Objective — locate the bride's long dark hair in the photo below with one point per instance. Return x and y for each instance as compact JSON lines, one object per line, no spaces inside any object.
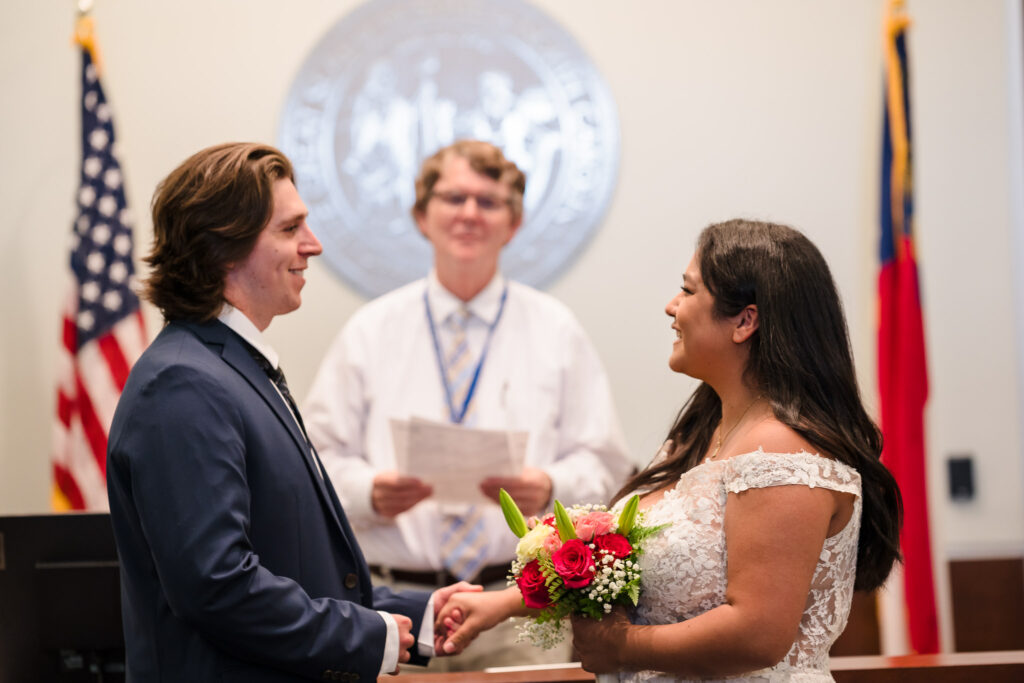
{"x":800,"y":360}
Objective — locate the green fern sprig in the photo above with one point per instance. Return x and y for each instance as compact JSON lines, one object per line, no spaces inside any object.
{"x":638,"y":534}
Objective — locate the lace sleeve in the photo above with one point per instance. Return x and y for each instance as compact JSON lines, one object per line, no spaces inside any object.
{"x":760,"y":470}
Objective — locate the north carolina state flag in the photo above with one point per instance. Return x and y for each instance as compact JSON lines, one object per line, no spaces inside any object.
{"x":902,"y":370}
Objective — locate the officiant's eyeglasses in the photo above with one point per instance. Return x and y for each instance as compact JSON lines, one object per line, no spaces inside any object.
{"x":484,"y":202}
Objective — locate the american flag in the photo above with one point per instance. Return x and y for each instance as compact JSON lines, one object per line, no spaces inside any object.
{"x":103,"y":329}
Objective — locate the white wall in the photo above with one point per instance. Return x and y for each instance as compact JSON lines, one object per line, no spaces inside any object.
{"x":738,"y":107}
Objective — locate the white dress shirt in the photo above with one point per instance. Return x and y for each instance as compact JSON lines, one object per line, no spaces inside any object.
{"x":541,"y":375}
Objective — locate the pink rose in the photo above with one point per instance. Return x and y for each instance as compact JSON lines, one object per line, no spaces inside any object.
{"x":531,"y":585}
{"x":594,"y":524}
{"x":574,"y":563}
{"x":552,"y":543}
{"x":616,"y":544}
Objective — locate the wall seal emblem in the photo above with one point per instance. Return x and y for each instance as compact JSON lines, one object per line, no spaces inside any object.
{"x":395,"y":80}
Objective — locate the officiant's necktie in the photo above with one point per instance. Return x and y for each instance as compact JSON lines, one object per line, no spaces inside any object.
{"x":464,"y":541}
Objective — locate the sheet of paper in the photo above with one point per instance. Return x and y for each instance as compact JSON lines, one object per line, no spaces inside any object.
{"x":455,"y":459}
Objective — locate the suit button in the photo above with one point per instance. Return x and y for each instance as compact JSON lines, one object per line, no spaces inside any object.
{"x":351,"y":581}
{"x":327,"y":675}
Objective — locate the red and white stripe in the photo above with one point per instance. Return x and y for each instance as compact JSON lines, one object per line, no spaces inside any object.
{"x":90,"y":381}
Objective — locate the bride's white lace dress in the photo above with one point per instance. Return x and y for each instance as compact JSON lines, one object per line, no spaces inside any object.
{"x":684,"y":566}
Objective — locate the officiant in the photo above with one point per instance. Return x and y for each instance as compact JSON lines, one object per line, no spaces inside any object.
{"x":469,"y":346}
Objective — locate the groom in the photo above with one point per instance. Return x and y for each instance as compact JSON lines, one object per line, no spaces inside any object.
{"x":237,"y":560}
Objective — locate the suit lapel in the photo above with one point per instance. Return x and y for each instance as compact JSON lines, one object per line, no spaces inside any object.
{"x":235,"y":353}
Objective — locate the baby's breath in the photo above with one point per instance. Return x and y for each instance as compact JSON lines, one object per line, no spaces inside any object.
{"x":543,"y":634}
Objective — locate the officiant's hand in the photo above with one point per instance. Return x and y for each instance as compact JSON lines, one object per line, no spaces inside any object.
{"x":531,"y":490}
{"x":394,"y":493}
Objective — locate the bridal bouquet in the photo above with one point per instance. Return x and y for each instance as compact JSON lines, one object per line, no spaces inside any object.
{"x":581,"y":560}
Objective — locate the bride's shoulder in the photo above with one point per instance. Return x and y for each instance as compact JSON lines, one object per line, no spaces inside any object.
{"x":773,"y":454}
{"x":772,"y":436}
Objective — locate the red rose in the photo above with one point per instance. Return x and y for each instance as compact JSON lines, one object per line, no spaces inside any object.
{"x":531,"y":585}
{"x":616,"y":544}
{"x":574,"y":563}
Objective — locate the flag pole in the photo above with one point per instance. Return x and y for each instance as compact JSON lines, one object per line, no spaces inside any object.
{"x":902,"y":362}
{"x":102,"y":329}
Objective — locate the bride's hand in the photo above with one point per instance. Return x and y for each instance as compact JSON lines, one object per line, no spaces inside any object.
{"x":599,"y":642}
{"x":466,"y":614}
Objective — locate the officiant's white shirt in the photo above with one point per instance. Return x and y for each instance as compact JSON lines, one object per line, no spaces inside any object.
{"x":541,"y":375}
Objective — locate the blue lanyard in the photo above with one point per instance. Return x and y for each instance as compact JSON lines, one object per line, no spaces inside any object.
{"x":458,"y":415}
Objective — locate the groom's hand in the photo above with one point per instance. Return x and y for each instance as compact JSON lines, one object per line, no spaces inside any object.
{"x":405,"y":639}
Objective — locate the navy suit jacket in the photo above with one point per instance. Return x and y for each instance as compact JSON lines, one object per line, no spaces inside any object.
{"x":237,"y":561}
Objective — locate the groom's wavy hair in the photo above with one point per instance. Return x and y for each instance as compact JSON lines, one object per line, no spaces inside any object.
{"x":207,"y":214}
{"x":800,"y":360}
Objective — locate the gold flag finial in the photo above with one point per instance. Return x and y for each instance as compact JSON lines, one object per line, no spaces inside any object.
{"x":85,"y":32}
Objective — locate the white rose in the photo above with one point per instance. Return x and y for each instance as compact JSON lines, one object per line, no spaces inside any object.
{"x":532,"y":543}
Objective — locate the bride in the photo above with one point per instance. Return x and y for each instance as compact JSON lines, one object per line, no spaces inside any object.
{"x":770,"y":482}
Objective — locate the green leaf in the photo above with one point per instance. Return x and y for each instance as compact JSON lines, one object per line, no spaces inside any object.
{"x":513,"y":516}
{"x":566,"y":531}
{"x":638,"y":534}
{"x":628,"y":515}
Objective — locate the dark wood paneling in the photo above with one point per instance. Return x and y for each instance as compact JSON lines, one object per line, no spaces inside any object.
{"x":988,"y":604}
{"x":861,"y":636}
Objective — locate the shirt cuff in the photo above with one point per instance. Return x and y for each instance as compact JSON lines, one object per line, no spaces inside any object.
{"x":355,"y":489}
{"x":390,"y":662}
{"x":425,"y":640}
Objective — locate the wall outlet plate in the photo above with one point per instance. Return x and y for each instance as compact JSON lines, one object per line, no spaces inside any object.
{"x":961,"y":477}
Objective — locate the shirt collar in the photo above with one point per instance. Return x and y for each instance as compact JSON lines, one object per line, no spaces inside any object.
{"x":484,"y":305}
{"x":244,"y":328}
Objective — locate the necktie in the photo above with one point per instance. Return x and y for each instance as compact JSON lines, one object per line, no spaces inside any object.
{"x":276,"y":375}
{"x":458,"y":362}
{"x":464,"y":541}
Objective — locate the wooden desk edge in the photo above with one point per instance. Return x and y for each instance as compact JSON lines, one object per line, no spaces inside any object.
{"x":928,"y":661}
{"x":843,"y":665}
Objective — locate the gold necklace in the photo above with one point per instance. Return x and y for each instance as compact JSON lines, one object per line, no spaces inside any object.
{"x":721,"y":438}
